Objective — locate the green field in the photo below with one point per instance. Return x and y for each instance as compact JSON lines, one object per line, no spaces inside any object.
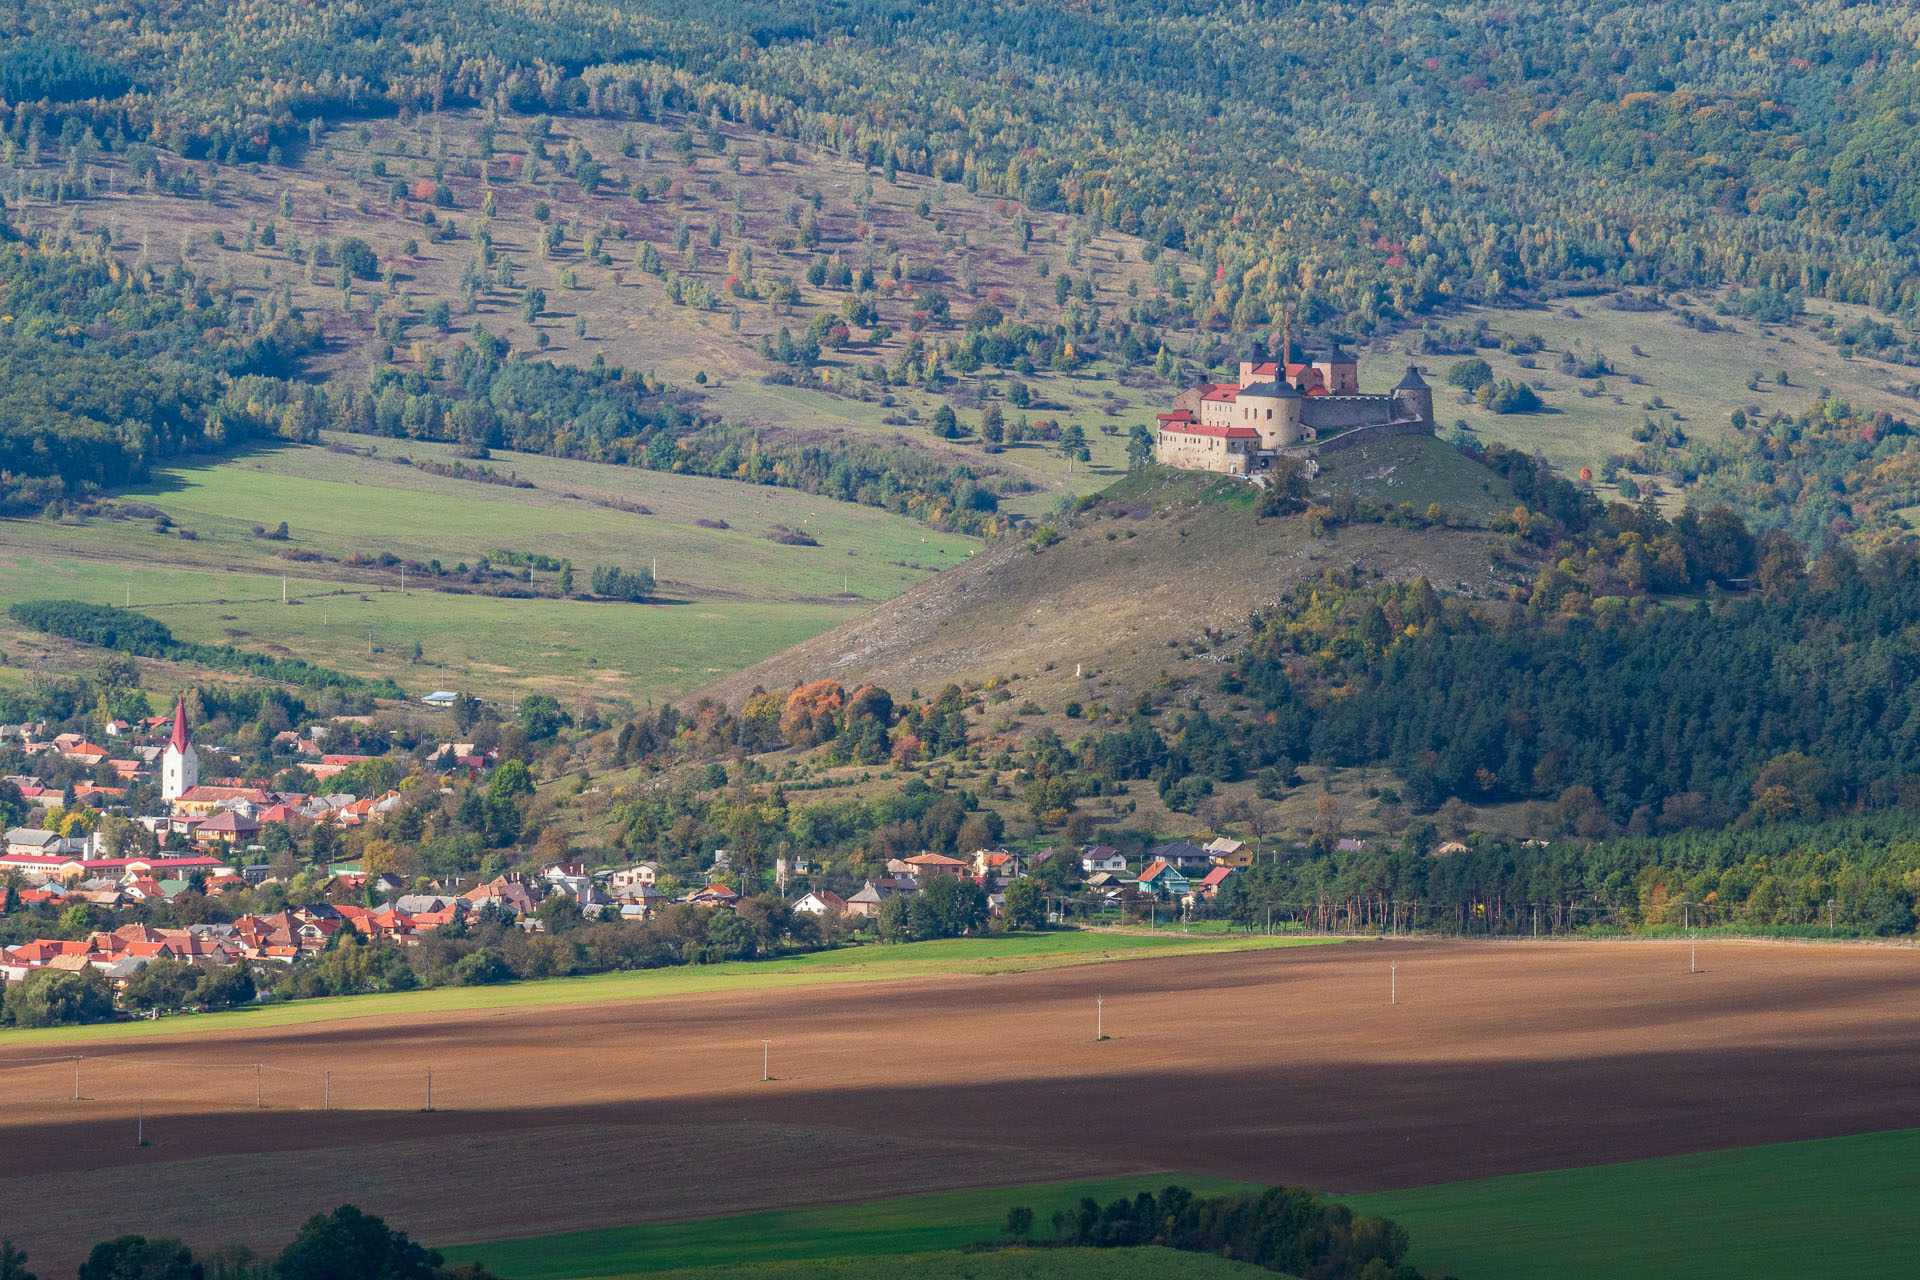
{"x":729,"y":596}
{"x":1836,"y":1207}
{"x":855,"y":1235}
{"x":998,"y":954}
{"x":1007,"y":1264}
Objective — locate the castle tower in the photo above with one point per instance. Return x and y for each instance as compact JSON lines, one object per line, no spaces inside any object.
{"x":180,"y":764}
{"x":1275,"y":412}
{"x":1413,"y":398}
{"x":1339,"y":371}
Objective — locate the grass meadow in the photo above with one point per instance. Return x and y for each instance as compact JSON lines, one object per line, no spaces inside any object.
{"x":1834,"y":1207}
{"x":730,"y":595}
{"x":872,"y":1239}
{"x":959,"y":957}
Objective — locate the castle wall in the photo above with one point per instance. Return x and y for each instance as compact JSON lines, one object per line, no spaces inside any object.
{"x":1335,"y":413}
{"x":1190,"y":452}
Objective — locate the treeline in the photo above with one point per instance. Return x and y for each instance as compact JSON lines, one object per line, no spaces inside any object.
{"x":328,"y":1245}
{"x":1285,"y":1229}
{"x":1844,"y":877}
{"x":125,"y":631}
{"x":107,"y":368}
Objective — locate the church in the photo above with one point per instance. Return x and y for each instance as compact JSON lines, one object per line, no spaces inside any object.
{"x":1300,"y":408}
{"x":180,"y":763}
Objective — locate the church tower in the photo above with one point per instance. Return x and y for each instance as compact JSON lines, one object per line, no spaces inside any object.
{"x":180,"y":766}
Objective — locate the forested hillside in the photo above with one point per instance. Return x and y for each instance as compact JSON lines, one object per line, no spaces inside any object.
{"x":1373,"y":161}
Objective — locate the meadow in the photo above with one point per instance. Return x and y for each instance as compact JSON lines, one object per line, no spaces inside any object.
{"x":998,"y":954}
{"x":730,"y":594}
{"x":1834,"y":1207}
{"x":1664,"y":371}
{"x":852,"y":1240}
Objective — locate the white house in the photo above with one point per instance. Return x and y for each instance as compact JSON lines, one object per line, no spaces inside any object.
{"x":1102,"y":857}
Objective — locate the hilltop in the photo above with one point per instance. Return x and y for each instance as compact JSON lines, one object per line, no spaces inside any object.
{"x":1155,"y":575}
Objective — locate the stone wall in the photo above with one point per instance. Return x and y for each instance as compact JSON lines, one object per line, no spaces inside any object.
{"x":1363,"y":435}
{"x":1325,"y":413}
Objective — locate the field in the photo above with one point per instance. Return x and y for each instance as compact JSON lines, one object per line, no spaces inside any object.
{"x":1286,"y":1065}
{"x":1001,"y":954}
{"x":883,"y":1228}
{"x":730,"y":596}
{"x":1749,"y":1214}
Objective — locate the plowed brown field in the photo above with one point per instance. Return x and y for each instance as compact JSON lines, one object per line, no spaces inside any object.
{"x":1276,"y":1065}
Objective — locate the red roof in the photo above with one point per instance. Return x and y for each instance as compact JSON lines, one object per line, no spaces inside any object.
{"x":179,"y":739}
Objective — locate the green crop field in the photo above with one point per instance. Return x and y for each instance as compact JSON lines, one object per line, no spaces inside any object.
{"x":855,"y":1235}
{"x":998,"y":954}
{"x":729,"y":597}
{"x":1836,"y":1207}
{"x":1003,"y":1264}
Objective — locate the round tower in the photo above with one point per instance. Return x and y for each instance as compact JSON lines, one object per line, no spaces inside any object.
{"x":1413,"y":398}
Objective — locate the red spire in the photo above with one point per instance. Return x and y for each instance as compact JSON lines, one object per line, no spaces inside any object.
{"x":179,"y":740}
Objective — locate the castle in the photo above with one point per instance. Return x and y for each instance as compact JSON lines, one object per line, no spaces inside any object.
{"x":1310,"y":406}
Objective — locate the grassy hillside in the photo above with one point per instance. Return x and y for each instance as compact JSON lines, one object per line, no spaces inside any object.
{"x":1836,"y":1207}
{"x":761,"y":212}
{"x":1663,"y":371}
{"x":730,"y":594}
{"x":873,"y":1230}
{"x":1132,"y":587}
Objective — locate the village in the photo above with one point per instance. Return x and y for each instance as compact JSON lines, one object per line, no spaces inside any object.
{"x":212,"y":839}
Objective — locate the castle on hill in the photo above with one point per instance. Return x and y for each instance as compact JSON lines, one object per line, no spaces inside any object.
{"x":1308,"y":406}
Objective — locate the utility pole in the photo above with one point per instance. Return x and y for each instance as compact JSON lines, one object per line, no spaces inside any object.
{"x":76,"y":1078}
{"x":258,"y":1105}
{"x":1393,"y":983}
{"x":1099,"y":1017}
{"x":326,"y":1094}
{"x":283,"y":588}
{"x":429,"y":1088}
{"x":766,"y":1057}
{"x":140,"y":1123}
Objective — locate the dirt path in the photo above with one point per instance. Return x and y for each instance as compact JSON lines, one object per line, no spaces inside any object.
{"x":1278,"y":1066}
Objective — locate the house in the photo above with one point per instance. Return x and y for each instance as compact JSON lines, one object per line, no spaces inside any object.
{"x":641,"y":875}
{"x":1163,"y":877}
{"x":1182,"y":856}
{"x":997,"y":864}
{"x":640,"y":902}
{"x":1102,"y":857}
{"x":1209,"y":886}
{"x":510,"y":891}
{"x":822,"y":902}
{"x":1228,"y":852}
{"x":30,"y":840}
{"x":1350,"y":846}
{"x":1450,"y":848}
{"x":932,"y":866}
{"x":868,"y":900}
{"x":227,"y":827}
{"x":441,"y":698}
{"x":713,"y":895}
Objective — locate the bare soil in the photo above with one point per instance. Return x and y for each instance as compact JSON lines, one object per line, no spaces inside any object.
{"x":1280,"y":1066}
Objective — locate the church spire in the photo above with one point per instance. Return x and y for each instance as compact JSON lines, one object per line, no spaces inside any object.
{"x":179,"y":740}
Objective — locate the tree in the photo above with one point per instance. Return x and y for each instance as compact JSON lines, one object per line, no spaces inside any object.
{"x":541,"y":717}
{"x":358,"y":257}
{"x":13,"y":1263}
{"x":533,"y":300}
{"x":52,"y":998}
{"x":993,"y":424}
{"x":892,"y":920}
{"x":1073,"y":443}
{"x":1470,"y":374}
{"x":350,"y":1245}
{"x":1026,"y":907}
{"x":1139,"y":447}
{"x":138,"y":1258}
{"x":946,"y":424}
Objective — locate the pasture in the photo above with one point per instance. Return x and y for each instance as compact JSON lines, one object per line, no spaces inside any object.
{"x":1836,"y":1206}
{"x":730,"y":594}
{"x":1315,"y":1066}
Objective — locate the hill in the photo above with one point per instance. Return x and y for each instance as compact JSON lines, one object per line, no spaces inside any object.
{"x":1157,"y":575}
